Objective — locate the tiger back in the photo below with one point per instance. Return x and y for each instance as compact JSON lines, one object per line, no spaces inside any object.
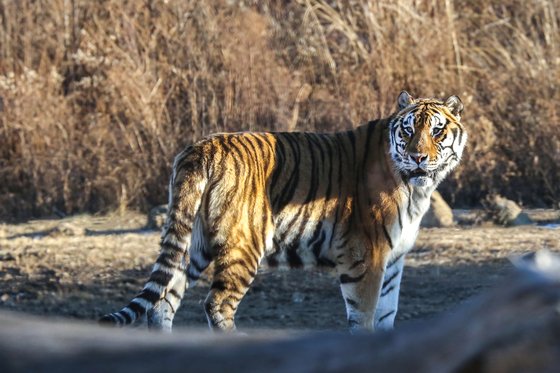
{"x":350,"y":200}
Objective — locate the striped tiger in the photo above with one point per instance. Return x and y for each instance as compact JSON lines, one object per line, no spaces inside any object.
{"x":351,"y":200}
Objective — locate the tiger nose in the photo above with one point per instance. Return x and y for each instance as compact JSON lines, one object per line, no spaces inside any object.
{"x":418,"y":158}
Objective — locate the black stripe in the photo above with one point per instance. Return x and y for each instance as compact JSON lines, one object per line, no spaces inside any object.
{"x":119,"y":318}
{"x":109,"y":319}
{"x":386,"y":233}
{"x":352,"y":302}
{"x":161,"y":278}
{"x":313,"y":181}
{"x":316,"y":242}
{"x":171,"y":247}
{"x":246,"y":282}
{"x":385,"y":316}
{"x":326,"y":262}
{"x":272,"y":260}
{"x":352,"y":139}
{"x":290,"y":188}
{"x":137,"y":309}
{"x":168,"y":259}
{"x":126,"y":316}
{"x":302,"y":212}
{"x":329,"y":162}
{"x":390,"y":289}
{"x":233,"y":152}
{"x":175,"y":294}
{"x":184,"y":154}
{"x":352,"y":322}
{"x":357,"y":263}
{"x":236,"y":297}
{"x":346,"y":279}
{"x":196,"y":265}
{"x":325,"y":161}
{"x":394,"y":261}
{"x":318,"y":245}
{"x":387,"y":281}
{"x":218,"y":285}
{"x":243,"y":263}
{"x":343,"y":242}
{"x":265,"y":145}
{"x":230,"y":306}
{"x":149,"y":295}
{"x":294,"y":260}
{"x":280,"y":154}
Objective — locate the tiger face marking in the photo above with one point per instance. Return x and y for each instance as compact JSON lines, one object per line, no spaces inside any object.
{"x":427,"y":139}
{"x":350,"y":200}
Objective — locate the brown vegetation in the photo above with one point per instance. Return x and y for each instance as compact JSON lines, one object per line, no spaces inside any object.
{"x":97,"y":97}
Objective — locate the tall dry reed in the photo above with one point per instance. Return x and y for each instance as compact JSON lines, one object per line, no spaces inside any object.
{"x":97,"y":97}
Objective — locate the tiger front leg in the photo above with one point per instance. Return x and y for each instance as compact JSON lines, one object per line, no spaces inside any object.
{"x":360,"y":283}
{"x":387,"y":305}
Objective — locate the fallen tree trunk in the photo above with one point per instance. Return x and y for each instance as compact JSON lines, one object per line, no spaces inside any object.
{"x":514,"y":328}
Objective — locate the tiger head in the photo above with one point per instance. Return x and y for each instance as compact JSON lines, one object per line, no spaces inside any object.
{"x":426,"y":138}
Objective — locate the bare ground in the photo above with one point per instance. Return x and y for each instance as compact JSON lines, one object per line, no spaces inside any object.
{"x":84,"y":266}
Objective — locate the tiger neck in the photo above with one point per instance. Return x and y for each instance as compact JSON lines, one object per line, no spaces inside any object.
{"x":390,"y":198}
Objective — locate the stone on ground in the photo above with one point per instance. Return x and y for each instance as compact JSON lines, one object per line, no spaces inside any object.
{"x":439,"y":215}
{"x":156,"y":217}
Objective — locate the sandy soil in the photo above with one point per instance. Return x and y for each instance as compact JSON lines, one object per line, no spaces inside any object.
{"x":84,"y":266}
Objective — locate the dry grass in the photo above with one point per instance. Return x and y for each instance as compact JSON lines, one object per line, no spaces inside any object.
{"x":97,"y":97}
{"x":99,"y":264}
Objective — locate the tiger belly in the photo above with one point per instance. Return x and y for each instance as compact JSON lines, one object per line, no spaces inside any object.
{"x":301,"y":245}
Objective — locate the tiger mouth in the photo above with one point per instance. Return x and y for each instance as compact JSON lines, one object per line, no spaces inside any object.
{"x":418,"y":173}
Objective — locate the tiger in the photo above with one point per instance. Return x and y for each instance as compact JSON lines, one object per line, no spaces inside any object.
{"x":351,"y":200}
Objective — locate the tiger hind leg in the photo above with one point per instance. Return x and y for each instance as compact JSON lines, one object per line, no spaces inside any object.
{"x":234,"y":272}
{"x":161,"y":316}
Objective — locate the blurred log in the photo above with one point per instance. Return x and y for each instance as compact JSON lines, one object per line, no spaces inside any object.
{"x":514,"y":328}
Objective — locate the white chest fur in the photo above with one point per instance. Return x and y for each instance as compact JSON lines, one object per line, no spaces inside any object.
{"x":415,"y":203}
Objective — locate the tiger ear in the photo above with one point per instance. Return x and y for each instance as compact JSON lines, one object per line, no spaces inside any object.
{"x":455,"y":105}
{"x":404,"y":100}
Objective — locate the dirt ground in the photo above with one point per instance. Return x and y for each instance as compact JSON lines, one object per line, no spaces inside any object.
{"x":84,"y":266}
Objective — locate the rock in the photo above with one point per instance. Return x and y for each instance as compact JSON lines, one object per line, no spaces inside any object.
{"x":506,"y":212}
{"x":439,"y":215}
{"x":157,"y":217}
{"x":298,"y":297}
{"x":66,"y":229}
{"x":6,"y":256}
